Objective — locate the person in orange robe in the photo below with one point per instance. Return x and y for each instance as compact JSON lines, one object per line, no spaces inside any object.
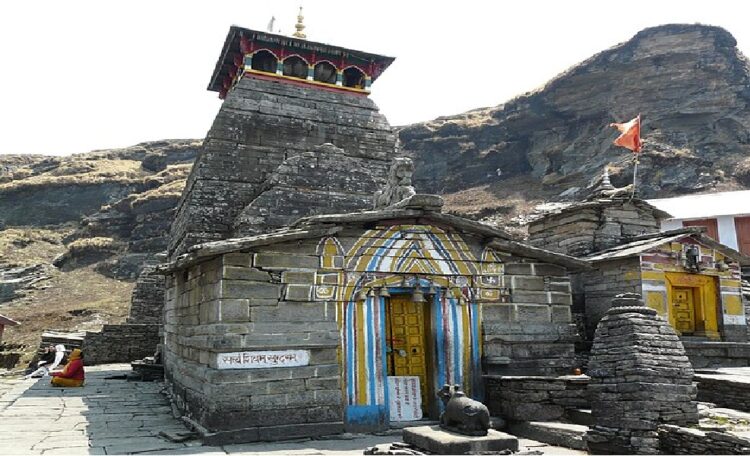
{"x":72,"y":374}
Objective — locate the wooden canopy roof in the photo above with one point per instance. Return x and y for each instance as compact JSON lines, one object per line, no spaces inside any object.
{"x":232,"y":49}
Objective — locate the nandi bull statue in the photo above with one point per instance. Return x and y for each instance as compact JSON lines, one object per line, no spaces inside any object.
{"x":463,"y":414}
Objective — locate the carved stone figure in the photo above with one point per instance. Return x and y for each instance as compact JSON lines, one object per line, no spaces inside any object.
{"x":398,"y":187}
{"x":463,"y":414}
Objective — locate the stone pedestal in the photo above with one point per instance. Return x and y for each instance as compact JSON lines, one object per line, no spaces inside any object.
{"x":439,"y":441}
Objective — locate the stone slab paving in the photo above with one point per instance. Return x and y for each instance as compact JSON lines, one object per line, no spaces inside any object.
{"x":115,"y":416}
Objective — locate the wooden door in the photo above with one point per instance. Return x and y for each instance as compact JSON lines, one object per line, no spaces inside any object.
{"x":742,"y":225}
{"x":408,"y":341}
{"x":683,"y":309}
{"x":712,"y":227}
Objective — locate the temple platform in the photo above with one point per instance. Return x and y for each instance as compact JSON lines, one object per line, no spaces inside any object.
{"x":439,"y":441}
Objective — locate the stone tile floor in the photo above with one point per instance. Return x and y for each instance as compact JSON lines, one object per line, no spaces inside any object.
{"x":114,"y":416}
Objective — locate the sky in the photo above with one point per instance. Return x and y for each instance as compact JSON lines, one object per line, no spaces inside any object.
{"x":82,"y":75}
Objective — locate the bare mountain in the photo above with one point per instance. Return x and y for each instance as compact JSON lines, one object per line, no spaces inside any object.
{"x":689,"y":82}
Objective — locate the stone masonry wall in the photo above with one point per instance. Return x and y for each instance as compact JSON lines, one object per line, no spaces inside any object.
{"x":603,"y":283}
{"x":535,"y":398}
{"x":682,"y":440}
{"x":588,"y":227}
{"x":147,"y":300}
{"x":238,"y":302}
{"x":262,"y":124}
{"x":120,"y":343}
{"x":704,"y":354}
{"x":533,"y":333}
{"x":724,"y":390}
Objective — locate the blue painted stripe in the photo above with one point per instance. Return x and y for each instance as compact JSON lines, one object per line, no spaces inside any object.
{"x":350,"y":352}
{"x":457,"y":342}
{"x":371,"y":350}
{"x":373,"y":264}
{"x":443,"y":251}
{"x":383,"y":357}
{"x":365,"y":415}
{"x":439,"y":343}
{"x":478,"y":390}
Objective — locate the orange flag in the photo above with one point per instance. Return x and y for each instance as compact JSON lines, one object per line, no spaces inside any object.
{"x":630,"y":136}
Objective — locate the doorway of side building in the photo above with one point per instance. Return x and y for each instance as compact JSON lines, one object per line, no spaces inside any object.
{"x":693,"y":304}
{"x":409,"y":345}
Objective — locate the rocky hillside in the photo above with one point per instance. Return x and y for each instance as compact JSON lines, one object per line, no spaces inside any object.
{"x":689,"y":82}
{"x":75,"y":231}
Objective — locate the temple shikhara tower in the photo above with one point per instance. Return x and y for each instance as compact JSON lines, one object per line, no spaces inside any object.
{"x":296,"y":135}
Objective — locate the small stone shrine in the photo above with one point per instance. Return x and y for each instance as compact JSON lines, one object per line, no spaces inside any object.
{"x":687,"y":277}
{"x":640,"y":378}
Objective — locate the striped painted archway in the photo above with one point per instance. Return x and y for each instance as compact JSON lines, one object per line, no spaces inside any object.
{"x":400,"y":258}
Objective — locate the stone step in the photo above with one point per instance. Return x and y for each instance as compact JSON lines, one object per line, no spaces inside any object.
{"x":552,"y":433}
{"x":580,"y":416}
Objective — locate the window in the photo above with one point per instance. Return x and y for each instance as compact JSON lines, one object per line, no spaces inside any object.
{"x":353,"y":77}
{"x":264,"y":61}
{"x":295,"y":67}
{"x":325,"y":72}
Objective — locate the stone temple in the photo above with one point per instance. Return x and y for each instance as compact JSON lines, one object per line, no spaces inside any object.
{"x":292,"y":307}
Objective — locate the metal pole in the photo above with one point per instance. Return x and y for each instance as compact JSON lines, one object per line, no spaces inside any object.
{"x":635,"y":174}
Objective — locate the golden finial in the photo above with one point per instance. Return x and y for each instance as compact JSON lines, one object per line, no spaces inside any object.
{"x":299,"y":26}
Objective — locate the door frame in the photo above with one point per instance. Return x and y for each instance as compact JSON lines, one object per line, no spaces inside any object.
{"x":705,"y":302}
{"x":429,"y":408}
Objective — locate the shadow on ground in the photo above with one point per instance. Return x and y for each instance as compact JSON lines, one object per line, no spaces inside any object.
{"x":110,"y":415}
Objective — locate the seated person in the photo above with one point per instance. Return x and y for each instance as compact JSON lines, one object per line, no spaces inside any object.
{"x":72,"y":374}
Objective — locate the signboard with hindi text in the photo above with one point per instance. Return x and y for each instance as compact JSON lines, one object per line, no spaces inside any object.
{"x":262,"y":359}
{"x":404,"y":398}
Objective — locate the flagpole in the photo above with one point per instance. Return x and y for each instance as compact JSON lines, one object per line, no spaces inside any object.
{"x":635,"y":174}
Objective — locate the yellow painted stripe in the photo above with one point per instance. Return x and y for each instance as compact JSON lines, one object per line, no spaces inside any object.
{"x":730,"y":283}
{"x":361,"y":371}
{"x":652,"y":275}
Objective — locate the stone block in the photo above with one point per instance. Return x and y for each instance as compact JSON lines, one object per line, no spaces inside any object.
{"x":305,"y":277}
{"x":209,"y":312}
{"x":283,"y":261}
{"x":532,"y":313}
{"x":561,"y":314}
{"x":438,"y":441}
{"x":530,"y":297}
{"x":499,"y":312}
{"x":235,"y":310}
{"x":531,"y":283}
{"x":298,"y":293}
{"x":518,"y":269}
{"x":323,"y":356}
{"x":247,"y":289}
{"x":237,"y":259}
{"x":245,"y":273}
{"x":295,"y":311}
